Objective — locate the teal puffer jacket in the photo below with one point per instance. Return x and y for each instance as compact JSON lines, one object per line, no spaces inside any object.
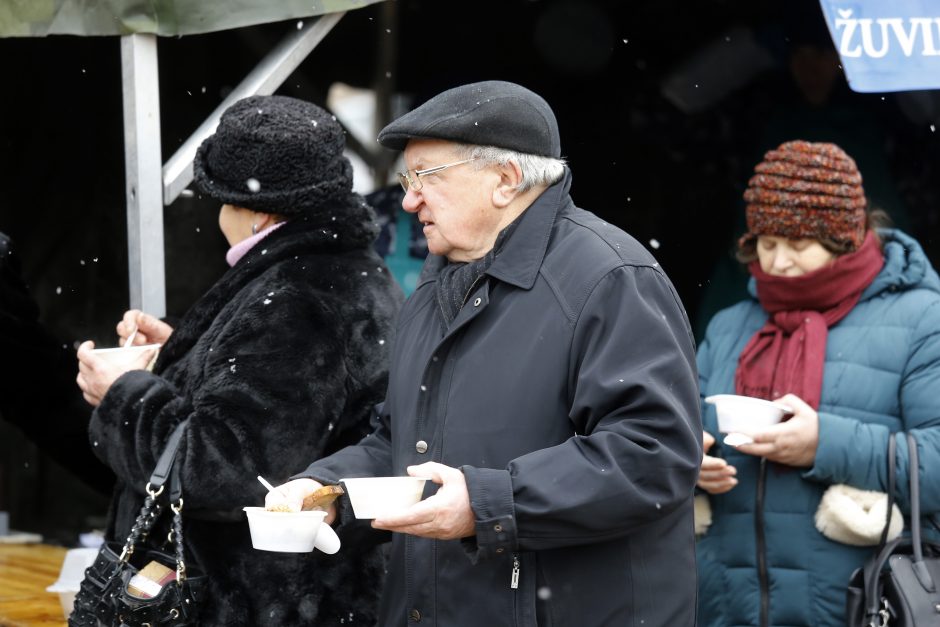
{"x":882,"y":374}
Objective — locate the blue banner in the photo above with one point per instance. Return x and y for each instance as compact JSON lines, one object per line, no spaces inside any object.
{"x":886,"y":45}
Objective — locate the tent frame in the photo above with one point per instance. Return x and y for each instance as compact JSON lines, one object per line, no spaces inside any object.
{"x":150,"y":185}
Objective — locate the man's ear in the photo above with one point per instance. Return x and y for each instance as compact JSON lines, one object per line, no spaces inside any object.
{"x":507,"y":189}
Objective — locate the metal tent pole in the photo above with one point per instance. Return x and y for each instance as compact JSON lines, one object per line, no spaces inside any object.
{"x":149,"y":184}
{"x":142,"y":159}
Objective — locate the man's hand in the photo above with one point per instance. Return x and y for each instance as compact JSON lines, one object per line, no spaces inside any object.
{"x":792,"y":442}
{"x":717,"y":476}
{"x":444,"y":516}
{"x":95,"y":374}
{"x":290,"y":497}
{"x":150,"y":330}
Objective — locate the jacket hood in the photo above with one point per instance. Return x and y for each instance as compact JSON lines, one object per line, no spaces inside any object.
{"x":906,"y":267}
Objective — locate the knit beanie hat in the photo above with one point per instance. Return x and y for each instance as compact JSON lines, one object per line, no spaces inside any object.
{"x":806,"y":190}
{"x":275,"y":154}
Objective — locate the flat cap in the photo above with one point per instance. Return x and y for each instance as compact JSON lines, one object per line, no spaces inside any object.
{"x":490,"y":113}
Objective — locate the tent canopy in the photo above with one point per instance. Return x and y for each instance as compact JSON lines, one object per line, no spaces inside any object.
{"x":168,"y":18}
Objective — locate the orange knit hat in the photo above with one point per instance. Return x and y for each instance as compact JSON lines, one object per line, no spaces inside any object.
{"x":806,"y":190}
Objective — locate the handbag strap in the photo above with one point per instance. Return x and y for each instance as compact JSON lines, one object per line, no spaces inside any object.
{"x":892,"y":479}
{"x":165,"y":463}
{"x":872,"y":570}
{"x":920,"y":568}
{"x":166,"y":469}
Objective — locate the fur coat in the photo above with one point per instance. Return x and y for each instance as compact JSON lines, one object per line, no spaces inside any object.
{"x":278,"y":364}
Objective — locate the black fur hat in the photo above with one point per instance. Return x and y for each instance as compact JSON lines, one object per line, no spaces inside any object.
{"x":491,"y":113}
{"x":275,"y":154}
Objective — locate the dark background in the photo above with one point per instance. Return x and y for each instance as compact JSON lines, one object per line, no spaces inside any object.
{"x":662,"y":115}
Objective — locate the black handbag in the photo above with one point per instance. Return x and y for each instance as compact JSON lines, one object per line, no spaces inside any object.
{"x":899,"y":586}
{"x":104,"y":598}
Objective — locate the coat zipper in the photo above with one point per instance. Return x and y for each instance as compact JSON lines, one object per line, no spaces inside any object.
{"x":762,"y":546}
{"x":514,"y":582}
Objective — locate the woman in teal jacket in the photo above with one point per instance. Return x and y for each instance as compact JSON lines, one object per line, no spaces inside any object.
{"x":844,"y":327}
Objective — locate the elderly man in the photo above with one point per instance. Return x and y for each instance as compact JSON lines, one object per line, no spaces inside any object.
{"x":544,"y":376}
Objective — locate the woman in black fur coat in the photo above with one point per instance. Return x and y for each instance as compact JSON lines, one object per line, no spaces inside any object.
{"x":280,"y":362}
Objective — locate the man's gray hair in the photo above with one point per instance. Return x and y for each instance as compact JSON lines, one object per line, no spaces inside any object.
{"x":536,"y":170}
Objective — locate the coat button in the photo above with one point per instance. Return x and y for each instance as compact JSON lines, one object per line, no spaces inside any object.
{"x":415,"y":616}
{"x":500,"y":550}
{"x":421,"y":446}
{"x":477,"y":302}
{"x":498,"y":528}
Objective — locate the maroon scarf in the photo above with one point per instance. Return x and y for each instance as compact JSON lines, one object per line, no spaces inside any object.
{"x":787,"y":355}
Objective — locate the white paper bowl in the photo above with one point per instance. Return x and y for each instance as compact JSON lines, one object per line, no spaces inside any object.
{"x":745,"y":414}
{"x":71,"y":575}
{"x":124,"y":356}
{"x":290,"y":532}
{"x":376,"y":497}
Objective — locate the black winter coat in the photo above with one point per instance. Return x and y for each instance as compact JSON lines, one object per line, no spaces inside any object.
{"x":281,"y":361}
{"x":566,"y":392}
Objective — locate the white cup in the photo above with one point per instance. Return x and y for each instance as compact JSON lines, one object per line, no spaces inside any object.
{"x":291,"y":532}
{"x":377,"y":497}
{"x":124,"y":356}
{"x":746,"y":414}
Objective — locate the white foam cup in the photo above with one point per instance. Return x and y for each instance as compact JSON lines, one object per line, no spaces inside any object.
{"x":291,"y":532}
{"x":377,"y":497}
{"x":746,"y":414}
{"x":124,"y":356}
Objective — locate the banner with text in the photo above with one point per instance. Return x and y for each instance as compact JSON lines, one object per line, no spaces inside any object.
{"x":886,"y":45}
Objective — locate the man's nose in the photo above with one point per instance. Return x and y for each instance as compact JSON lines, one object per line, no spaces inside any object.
{"x":412,"y":201}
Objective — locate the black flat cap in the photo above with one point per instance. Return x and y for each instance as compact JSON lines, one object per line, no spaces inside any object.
{"x":491,"y":113}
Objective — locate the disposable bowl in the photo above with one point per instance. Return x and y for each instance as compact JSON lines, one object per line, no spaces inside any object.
{"x":286,"y":532}
{"x":71,"y":575}
{"x":745,"y":414}
{"x":377,"y":497}
{"x":124,"y":356}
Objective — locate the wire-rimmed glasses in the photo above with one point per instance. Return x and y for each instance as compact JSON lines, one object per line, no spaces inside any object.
{"x":411,"y":179}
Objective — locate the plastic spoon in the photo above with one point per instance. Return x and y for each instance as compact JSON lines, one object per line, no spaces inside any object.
{"x":130,"y":338}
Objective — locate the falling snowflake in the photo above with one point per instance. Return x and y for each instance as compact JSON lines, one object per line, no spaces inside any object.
{"x":253,"y":184}
{"x":654,"y":243}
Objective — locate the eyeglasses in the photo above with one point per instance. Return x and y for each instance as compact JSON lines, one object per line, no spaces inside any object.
{"x":411,"y":179}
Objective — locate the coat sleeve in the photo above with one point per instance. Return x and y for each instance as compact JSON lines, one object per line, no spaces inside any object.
{"x":266,"y":394}
{"x":855,"y":452}
{"x":634,"y":405}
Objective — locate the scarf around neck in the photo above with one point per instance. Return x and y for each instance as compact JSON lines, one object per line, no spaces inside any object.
{"x":457,"y":280}
{"x":788,"y":353}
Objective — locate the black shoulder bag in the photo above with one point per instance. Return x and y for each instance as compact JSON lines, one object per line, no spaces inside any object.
{"x":899,"y":586}
{"x":107,"y":597}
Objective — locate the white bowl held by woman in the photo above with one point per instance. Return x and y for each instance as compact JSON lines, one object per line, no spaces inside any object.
{"x":124,"y":356}
{"x":746,"y":414}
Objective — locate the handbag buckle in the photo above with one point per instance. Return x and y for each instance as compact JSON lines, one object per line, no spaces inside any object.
{"x":152,"y":493}
{"x":883,"y":615}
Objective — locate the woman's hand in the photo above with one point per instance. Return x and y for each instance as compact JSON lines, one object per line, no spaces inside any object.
{"x":792,"y":442}
{"x":96,"y":374}
{"x":716,"y":476}
{"x":150,"y":330}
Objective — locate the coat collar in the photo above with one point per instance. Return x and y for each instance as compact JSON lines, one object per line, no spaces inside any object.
{"x":521,"y":257}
